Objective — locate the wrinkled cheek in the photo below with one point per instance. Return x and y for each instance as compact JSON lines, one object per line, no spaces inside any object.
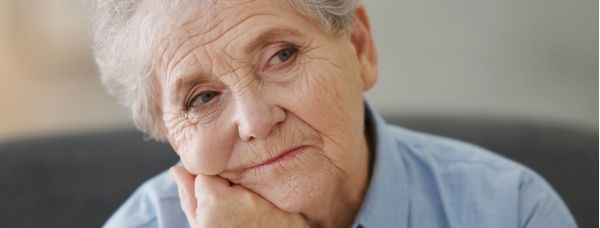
{"x":205,"y":153}
{"x":322,"y":101}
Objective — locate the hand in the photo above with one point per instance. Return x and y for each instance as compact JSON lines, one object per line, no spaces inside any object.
{"x":210,"y":201}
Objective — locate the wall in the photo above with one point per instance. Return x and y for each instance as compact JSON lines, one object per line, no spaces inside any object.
{"x":534,"y":60}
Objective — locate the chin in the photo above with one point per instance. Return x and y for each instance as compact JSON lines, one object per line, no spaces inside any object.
{"x":302,"y":193}
{"x":299,"y":185}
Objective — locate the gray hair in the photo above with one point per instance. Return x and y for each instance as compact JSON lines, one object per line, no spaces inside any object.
{"x":126,"y":32}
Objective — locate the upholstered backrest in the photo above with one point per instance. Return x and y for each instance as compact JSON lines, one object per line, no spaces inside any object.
{"x":79,"y":180}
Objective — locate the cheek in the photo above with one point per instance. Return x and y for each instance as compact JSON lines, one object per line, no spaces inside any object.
{"x":303,"y":191}
{"x":205,"y":150}
{"x":326,"y":95}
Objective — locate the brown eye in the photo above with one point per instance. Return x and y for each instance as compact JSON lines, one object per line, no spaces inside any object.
{"x":203,"y":98}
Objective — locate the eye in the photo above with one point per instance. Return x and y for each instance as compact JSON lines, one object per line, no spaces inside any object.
{"x":202,"y":98}
{"x":283,"y":56}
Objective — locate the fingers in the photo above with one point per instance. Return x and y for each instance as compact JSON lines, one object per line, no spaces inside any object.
{"x":211,"y":185}
{"x":197,"y":190}
{"x":185,"y":188}
{"x":210,"y":201}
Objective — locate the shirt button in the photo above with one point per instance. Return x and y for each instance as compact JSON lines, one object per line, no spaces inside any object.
{"x":359,"y":226}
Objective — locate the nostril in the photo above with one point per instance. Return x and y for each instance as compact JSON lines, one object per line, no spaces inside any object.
{"x":256,"y":118}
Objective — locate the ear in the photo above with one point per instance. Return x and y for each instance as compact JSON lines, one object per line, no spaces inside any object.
{"x":365,"y":47}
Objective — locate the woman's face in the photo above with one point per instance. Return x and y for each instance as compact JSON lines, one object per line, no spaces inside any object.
{"x":262,"y":96}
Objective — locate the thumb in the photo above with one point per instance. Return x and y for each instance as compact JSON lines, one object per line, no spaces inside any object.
{"x":185,"y":188}
{"x":213,"y":185}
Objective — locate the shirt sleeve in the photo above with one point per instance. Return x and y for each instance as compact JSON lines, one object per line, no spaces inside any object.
{"x":540,"y":206}
{"x":135,"y":212}
{"x":155,"y":204}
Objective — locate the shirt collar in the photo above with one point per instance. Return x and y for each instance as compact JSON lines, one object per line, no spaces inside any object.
{"x":386,"y":199}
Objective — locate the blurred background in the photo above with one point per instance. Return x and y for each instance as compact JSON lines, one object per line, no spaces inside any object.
{"x":533,"y":60}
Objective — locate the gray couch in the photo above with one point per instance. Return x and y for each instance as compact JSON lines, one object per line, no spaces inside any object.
{"x":79,"y":180}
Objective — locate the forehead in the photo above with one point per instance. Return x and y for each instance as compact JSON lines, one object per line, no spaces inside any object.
{"x":207,"y":44}
{"x":227,"y":25}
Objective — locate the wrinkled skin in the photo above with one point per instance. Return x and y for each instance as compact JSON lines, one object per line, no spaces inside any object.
{"x":253,"y":80}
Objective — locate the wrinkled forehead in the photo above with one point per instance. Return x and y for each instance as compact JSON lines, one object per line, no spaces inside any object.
{"x":225,"y":25}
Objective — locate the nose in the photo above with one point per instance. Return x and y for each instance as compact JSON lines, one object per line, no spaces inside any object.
{"x":256,"y":117}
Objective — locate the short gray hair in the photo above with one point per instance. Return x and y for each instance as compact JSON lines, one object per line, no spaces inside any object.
{"x":126,"y":32}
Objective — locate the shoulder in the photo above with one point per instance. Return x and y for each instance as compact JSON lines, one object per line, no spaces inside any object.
{"x":462,"y":163}
{"x":153,"y":204}
{"x":471,"y":183}
{"x":449,"y":155}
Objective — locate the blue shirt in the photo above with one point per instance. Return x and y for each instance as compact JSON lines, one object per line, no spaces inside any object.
{"x":417,"y":180}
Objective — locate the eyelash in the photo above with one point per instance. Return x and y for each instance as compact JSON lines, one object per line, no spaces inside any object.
{"x":189,"y":104}
{"x":287,"y":47}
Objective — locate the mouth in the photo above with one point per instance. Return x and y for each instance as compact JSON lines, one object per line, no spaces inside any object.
{"x":286,"y":155}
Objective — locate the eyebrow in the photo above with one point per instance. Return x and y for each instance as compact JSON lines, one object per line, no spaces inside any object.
{"x":269,"y":35}
{"x":184,"y":82}
{"x":194,"y":76}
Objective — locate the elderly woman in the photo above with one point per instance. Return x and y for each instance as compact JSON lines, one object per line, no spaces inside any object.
{"x":263,"y":102}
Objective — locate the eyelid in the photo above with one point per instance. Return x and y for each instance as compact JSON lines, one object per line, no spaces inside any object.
{"x":197,"y":96}
{"x":280,"y":46}
{"x":197,"y":89}
{"x":202,"y":109}
{"x":190,"y":100}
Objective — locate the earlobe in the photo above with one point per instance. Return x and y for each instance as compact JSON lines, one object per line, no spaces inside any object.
{"x":365,"y":47}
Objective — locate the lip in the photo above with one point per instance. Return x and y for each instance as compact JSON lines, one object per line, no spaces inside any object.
{"x":281,"y":156}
